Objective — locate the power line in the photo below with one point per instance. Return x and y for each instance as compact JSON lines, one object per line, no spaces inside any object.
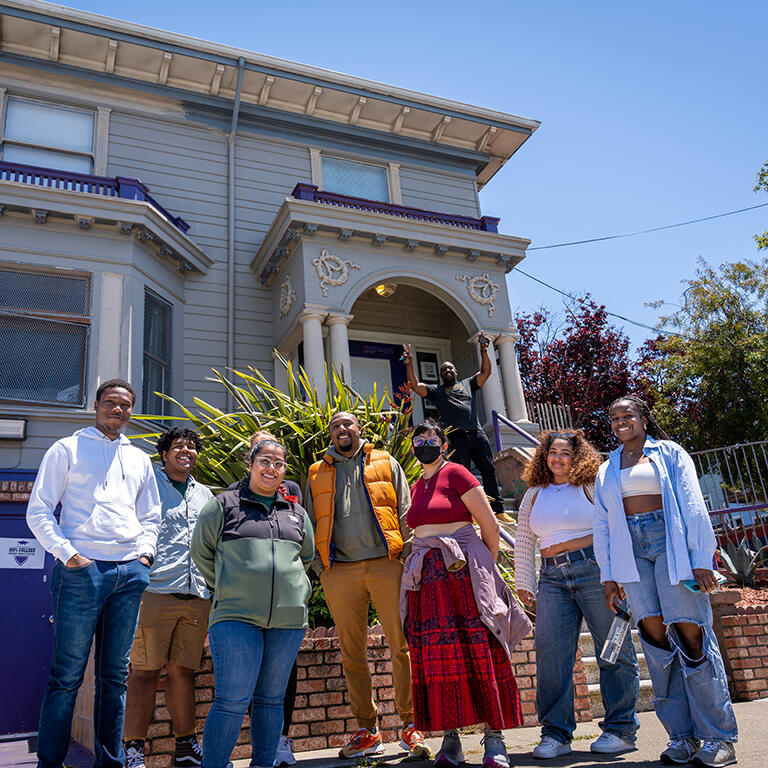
{"x":611,"y":314}
{"x":646,"y":231}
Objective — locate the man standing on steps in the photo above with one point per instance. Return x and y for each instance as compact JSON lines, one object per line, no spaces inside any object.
{"x":357,"y":498}
{"x":104,"y":545}
{"x":457,"y":409}
{"x":173,"y":621}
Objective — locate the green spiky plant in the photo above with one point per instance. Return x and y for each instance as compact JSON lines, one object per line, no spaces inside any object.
{"x":300,"y":419}
{"x":742,"y":561}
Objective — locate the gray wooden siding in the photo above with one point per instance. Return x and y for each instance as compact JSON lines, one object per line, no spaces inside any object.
{"x":437,"y":191}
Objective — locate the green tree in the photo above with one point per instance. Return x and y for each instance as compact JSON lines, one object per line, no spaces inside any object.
{"x":762,"y":185}
{"x":709,"y":377}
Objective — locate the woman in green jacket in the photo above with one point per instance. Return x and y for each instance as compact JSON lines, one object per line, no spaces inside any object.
{"x":253,"y":545}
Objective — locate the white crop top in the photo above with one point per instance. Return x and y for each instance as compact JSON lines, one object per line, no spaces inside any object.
{"x":561,"y":513}
{"x":640,"y":480}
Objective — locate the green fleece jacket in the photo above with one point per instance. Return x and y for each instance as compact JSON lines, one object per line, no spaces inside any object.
{"x":254,"y":559}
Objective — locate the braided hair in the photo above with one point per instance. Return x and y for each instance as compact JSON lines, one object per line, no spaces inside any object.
{"x":652,"y":427}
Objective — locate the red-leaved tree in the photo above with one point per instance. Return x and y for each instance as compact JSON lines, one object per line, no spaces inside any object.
{"x":585,"y":365}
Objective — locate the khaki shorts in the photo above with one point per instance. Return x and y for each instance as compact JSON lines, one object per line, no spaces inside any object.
{"x":170,"y":629}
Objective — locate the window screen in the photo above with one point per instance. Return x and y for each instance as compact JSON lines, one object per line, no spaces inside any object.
{"x":346,"y":177}
{"x":44,"y":328}
{"x":157,"y":354}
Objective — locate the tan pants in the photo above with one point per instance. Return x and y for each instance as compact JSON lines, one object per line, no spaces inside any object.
{"x":349,"y":588}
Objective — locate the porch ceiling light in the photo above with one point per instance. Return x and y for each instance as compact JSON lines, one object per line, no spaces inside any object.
{"x":385,"y":289}
{"x":13,"y":429}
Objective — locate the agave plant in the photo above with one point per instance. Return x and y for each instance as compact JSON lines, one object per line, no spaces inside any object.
{"x":744,"y":560}
{"x":298,"y":417}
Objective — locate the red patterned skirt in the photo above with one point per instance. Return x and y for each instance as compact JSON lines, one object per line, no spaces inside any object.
{"x":461,"y":673}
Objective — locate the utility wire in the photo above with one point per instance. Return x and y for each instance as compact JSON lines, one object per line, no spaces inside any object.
{"x":612,"y":314}
{"x":646,"y":231}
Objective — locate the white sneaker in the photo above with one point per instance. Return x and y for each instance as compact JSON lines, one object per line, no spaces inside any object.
{"x":284,"y":754}
{"x":611,"y":744}
{"x":549,"y":747}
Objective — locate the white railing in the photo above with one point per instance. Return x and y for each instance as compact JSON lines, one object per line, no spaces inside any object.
{"x":549,"y":415}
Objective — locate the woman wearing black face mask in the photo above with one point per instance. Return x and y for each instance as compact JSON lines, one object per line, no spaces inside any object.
{"x":461,"y":620}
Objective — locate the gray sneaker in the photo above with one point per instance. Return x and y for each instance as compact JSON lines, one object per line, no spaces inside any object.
{"x":450,"y":754}
{"x":495,"y":750}
{"x":714,"y":754}
{"x":679,"y":751}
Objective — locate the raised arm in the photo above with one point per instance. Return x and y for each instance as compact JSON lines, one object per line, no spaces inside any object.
{"x":485,"y":363}
{"x":416,"y":385}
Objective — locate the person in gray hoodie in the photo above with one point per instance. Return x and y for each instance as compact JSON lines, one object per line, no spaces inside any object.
{"x":104,"y":545}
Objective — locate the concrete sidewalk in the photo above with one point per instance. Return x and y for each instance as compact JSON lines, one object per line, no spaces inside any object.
{"x":752,"y":749}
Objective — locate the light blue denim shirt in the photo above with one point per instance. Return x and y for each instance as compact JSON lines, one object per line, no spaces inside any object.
{"x":690,"y":539}
{"x":173,"y":569}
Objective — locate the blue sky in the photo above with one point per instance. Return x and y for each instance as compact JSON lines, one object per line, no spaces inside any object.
{"x":652,"y":113}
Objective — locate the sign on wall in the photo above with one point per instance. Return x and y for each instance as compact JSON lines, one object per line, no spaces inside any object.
{"x":21,"y":553}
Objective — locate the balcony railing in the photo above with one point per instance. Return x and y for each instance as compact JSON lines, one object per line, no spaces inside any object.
{"x":120,"y":186}
{"x":313,"y":194}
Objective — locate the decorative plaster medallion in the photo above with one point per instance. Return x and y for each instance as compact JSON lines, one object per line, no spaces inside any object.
{"x":287,"y":296}
{"x":331,"y":270}
{"x":481,"y":289}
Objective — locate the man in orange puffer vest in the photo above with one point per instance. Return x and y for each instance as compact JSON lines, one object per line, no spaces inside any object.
{"x":357,"y":498}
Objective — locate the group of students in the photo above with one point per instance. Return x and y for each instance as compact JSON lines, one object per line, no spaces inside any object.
{"x":635,"y":526}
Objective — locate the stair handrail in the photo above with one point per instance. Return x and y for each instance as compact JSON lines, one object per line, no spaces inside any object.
{"x":497,"y":417}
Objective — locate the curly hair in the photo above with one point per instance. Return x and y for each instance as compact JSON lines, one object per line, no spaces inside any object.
{"x":586,"y":460}
{"x":177,"y":433}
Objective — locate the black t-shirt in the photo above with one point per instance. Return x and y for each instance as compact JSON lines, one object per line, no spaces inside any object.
{"x":456,"y":404}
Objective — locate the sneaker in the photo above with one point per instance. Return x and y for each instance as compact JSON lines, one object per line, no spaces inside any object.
{"x":495,"y":755}
{"x":189,"y":753}
{"x":284,"y":754}
{"x":412,"y":740}
{"x":679,"y":751}
{"x":611,"y":744}
{"x":134,"y":754}
{"x":363,"y":743}
{"x":450,"y":754}
{"x":713,"y":754}
{"x":548,"y":748}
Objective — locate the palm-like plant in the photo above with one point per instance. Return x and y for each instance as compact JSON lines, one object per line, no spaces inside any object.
{"x":298,"y":417}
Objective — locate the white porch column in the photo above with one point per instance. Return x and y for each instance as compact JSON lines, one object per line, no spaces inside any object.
{"x":280,"y":375}
{"x":339,"y":338}
{"x":314,"y":358}
{"x":492,"y":395}
{"x":513,"y":385}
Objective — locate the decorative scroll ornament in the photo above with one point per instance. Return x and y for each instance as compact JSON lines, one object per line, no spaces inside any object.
{"x":287,"y":296}
{"x":332,"y":270}
{"x":481,"y":289}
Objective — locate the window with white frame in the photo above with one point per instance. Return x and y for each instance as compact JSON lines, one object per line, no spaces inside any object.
{"x":44,"y":331}
{"x":157,"y":354}
{"x":356,"y":179}
{"x":47,"y":135}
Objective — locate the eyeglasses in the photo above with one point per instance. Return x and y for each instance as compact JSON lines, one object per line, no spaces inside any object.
{"x":433,"y":440}
{"x":265,"y":463}
{"x":562,"y":435}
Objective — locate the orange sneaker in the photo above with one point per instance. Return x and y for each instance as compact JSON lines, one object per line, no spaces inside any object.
{"x":413,"y":740}
{"x":363,"y":743}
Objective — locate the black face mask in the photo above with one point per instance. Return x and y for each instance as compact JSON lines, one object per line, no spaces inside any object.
{"x":427,"y":454}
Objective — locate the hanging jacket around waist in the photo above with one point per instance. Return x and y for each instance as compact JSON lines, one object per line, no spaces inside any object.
{"x":254,"y":559}
{"x":380,"y":495}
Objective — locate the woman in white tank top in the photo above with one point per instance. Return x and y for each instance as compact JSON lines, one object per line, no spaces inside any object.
{"x":557,"y":509}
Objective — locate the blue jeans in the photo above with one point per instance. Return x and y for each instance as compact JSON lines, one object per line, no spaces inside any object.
{"x":692,"y":698}
{"x":102,"y":600}
{"x":250,"y":664}
{"x":568,"y":593}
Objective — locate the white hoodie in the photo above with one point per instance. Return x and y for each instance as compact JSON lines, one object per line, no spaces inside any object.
{"x":110,"y":505}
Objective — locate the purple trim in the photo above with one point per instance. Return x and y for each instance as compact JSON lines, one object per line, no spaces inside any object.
{"x":497,"y":417}
{"x":311,"y":193}
{"x":120,"y":186}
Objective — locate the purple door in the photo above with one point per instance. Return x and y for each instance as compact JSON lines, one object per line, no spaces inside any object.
{"x":27,"y":638}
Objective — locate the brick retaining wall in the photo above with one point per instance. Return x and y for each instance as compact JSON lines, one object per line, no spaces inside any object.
{"x":746,"y":652}
{"x":322,"y":717}
{"x":15,"y":490}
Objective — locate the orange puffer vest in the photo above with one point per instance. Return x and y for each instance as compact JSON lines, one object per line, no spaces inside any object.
{"x":377,"y":479}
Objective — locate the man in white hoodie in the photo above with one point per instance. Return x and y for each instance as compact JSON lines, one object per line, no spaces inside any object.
{"x":104,"y":544}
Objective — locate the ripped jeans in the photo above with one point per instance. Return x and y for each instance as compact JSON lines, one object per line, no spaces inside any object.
{"x":691,"y":699}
